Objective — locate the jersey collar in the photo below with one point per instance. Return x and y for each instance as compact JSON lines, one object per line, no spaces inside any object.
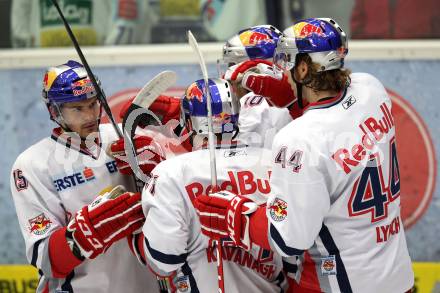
{"x":74,"y":143}
{"x":326,"y":102}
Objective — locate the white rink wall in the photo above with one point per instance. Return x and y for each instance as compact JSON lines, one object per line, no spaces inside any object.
{"x":409,"y":68}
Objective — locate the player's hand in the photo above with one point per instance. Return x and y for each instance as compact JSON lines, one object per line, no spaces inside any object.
{"x":166,"y":108}
{"x":224,"y":214}
{"x":236,"y":72}
{"x":275,"y":88}
{"x":148,"y":152}
{"x":113,"y":215}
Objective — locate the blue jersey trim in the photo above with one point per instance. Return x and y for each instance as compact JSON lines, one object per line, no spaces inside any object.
{"x":171,"y":259}
{"x":186,"y":270}
{"x":276,"y":236}
{"x":330,"y":245}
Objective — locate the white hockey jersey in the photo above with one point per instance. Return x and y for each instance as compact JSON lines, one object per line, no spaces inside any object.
{"x":336,"y":193}
{"x":50,"y":182}
{"x":258,"y":122}
{"x":173,"y":237}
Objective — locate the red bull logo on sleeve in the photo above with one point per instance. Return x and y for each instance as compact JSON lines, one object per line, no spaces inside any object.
{"x":194,"y":92}
{"x":304,"y":30}
{"x":249,"y":38}
{"x":39,"y":225}
{"x":278,"y":210}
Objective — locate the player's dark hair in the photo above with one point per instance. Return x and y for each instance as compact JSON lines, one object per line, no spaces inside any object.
{"x":330,"y":80}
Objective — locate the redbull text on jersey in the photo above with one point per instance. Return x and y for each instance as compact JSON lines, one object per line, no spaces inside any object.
{"x":242,"y":182}
{"x":373,"y":132}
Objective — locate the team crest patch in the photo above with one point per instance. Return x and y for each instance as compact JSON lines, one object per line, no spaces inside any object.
{"x":20,"y":181}
{"x":39,"y":225}
{"x":278,"y":210}
{"x":328,"y":265}
{"x":182,"y":284}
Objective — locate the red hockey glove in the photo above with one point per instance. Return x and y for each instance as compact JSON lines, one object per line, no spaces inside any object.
{"x":223,"y":214}
{"x":265,"y":82}
{"x":235,"y":73}
{"x":165,"y":107}
{"x":111,"y":216}
{"x":148,"y":152}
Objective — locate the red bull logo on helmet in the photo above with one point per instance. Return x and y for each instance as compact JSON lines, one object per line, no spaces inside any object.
{"x":304,"y":30}
{"x":278,"y":210}
{"x":82,"y":86}
{"x":194,"y":92}
{"x":39,"y":225}
{"x":250,"y":38}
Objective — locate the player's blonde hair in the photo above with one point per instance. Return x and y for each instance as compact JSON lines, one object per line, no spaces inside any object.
{"x":330,"y":80}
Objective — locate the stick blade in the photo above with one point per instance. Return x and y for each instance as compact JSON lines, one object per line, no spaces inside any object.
{"x":195,"y":46}
{"x":159,"y":84}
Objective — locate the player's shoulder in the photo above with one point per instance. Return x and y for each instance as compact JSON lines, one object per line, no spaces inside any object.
{"x":107,"y":131}
{"x":299,"y":131}
{"x":37,"y":155}
{"x":365,"y":81}
{"x":174,"y":165}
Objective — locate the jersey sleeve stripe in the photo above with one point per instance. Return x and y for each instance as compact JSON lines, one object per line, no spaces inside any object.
{"x":281,"y":280}
{"x":35,"y":252}
{"x":330,"y":246}
{"x":170,"y":259}
{"x":139,"y":248}
{"x":67,"y":286}
{"x":192,"y":281}
{"x":276,"y":237}
{"x":289,"y":267}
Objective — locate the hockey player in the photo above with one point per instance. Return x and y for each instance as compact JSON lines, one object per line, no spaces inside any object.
{"x":335,"y":184}
{"x":258,"y":121}
{"x":172,"y":244}
{"x":71,"y":237}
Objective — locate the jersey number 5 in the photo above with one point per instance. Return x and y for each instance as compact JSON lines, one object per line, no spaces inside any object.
{"x":371,"y":194}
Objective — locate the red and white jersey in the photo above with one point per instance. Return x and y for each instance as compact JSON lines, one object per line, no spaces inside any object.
{"x":259,"y":122}
{"x":174,"y":242}
{"x":336,"y":193}
{"x":50,"y":182}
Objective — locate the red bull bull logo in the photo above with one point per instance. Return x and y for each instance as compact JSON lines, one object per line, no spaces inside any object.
{"x":304,"y":30}
{"x":278,"y":210}
{"x":249,"y":38}
{"x":39,"y":225}
{"x":194,"y":92}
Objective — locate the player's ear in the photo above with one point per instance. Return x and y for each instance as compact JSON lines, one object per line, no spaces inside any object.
{"x":301,"y":70}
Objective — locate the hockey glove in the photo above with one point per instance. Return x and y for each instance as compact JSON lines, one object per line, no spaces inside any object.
{"x":165,"y":107}
{"x":265,"y":82}
{"x":224,"y":214}
{"x":148,"y":152}
{"x":236,"y":72}
{"x":113,"y":215}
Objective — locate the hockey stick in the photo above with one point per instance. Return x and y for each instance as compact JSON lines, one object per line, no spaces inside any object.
{"x":195,"y":46}
{"x":138,"y":111}
{"x":135,"y":113}
{"x":99,"y":91}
